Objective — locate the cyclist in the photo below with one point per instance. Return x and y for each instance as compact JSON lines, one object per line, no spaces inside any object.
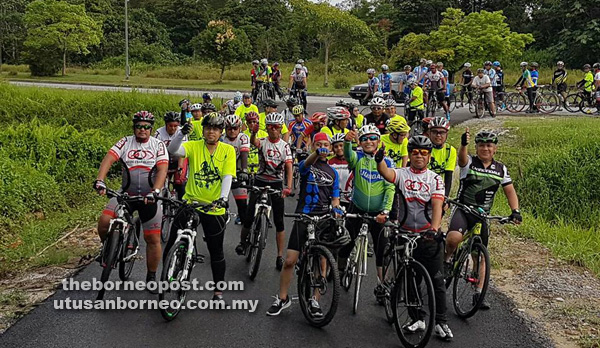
{"x":597,"y":85}
{"x":339,"y":163}
{"x":207,"y":98}
{"x":525,"y":80}
{"x":467,"y":78}
{"x":277,"y":80}
{"x":338,"y":118}
{"x":196,"y":122}
{"x":480,"y":177}
{"x":145,"y":161}
{"x":319,"y":120}
{"x":251,"y":120}
{"x":288,"y":115}
{"x":559,"y":79}
{"x":403,"y":86}
{"x":436,"y":83}
{"x":498,"y":83}
{"x":275,"y":160}
{"x":253,"y":76}
{"x":482,"y":84}
{"x":298,"y":126}
{"x":246,"y":107}
{"x":319,"y":189}
{"x":241,"y":143}
{"x":207,"y":108}
{"x":377,"y":117}
{"x":416,"y":106}
{"x":396,"y":141}
{"x":298,"y":83}
{"x":373,"y":85}
{"x":301,"y":62}
{"x":534,"y":77}
{"x":420,"y":71}
{"x":385,"y":78}
{"x":177,"y":171}
{"x":371,"y":194}
{"x":231,"y":105}
{"x":489,"y":71}
{"x":443,"y":155}
{"x":390,"y":108}
{"x":271,"y":107}
{"x":587,"y":84}
{"x":423,"y":194}
{"x":356,"y":118}
{"x":186,"y":113}
{"x":212,"y":169}
{"x":440,"y":67}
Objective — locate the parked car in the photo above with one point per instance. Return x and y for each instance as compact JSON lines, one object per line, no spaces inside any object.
{"x":360,"y":91}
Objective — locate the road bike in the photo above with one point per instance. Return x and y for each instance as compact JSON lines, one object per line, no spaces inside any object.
{"x":263,"y":92}
{"x":479,"y":105}
{"x":299,"y":94}
{"x":470,"y":273}
{"x":546,"y":100}
{"x":122,"y":240}
{"x":432,"y":103}
{"x":317,"y":270}
{"x":516,"y":101}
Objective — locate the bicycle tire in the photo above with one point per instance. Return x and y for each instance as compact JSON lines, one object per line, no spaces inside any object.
{"x":451,"y":102}
{"x":431,"y":107}
{"x":415,"y":271}
{"x":129,"y":247}
{"x":348,"y":275}
{"x":167,"y":220}
{"x":572,"y":102}
{"x":296,"y":178}
{"x":176,"y":255}
{"x":109,"y":256}
{"x":389,"y":282}
{"x":258,"y":241}
{"x":362,"y":263}
{"x":469,"y":279}
{"x":588,"y":106}
{"x":479,"y":108}
{"x":306,"y":284}
{"x":500,"y":102}
{"x":546,"y":102}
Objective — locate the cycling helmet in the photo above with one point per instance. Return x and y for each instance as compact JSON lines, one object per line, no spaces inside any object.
{"x":485,"y":136}
{"x":213,"y":119}
{"x":384,"y":67}
{"x":232,"y":121}
{"x":237,"y":97}
{"x":298,"y":110}
{"x":428,"y":62}
{"x":560,"y":63}
{"x":319,"y":117}
{"x":587,"y":66}
{"x":596,"y":66}
{"x":412,"y":81}
{"x":183,"y":101}
{"x":269,"y":102}
{"x":338,"y":113}
{"x":487,"y":62}
{"x":425,"y":123}
{"x":377,"y":102}
{"x":524,"y":64}
{"x":407,"y":67}
{"x":336,"y":236}
{"x":255,"y":62}
{"x":419,"y":142}
{"x":341,"y":102}
{"x":397,"y":125}
{"x":274,"y":118}
{"x":143,"y":116}
{"x":246,"y":95}
{"x":298,"y":66}
{"x":172,"y":116}
{"x":467,"y":65}
{"x":264,"y":61}
{"x":480,"y":70}
{"x":291,"y":102}
{"x":252,"y":116}
{"x":534,"y":64}
{"x":378,"y":95}
{"x":422,"y":60}
{"x":439,"y":122}
{"x":368,"y":129}
{"x":338,"y":138}
{"x":196,"y":107}
{"x":207,"y":95}
{"x":496,"y":63}
{"x":300,"y":61}
{"x":390,"y":102}
{"x":208,"y":107}
{"x":276,"y":64}
{"x":370,"y":71}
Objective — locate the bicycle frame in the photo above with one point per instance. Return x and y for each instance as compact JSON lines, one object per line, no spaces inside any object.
{"x":188,"y":234}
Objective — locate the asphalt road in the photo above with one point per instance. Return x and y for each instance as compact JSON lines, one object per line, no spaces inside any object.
{"x":48,"y":327}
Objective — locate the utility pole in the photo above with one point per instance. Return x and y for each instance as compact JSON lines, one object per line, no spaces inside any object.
{"x":126,"y":43}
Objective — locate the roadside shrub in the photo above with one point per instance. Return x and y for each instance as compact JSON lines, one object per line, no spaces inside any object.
{"x":341,"y":83}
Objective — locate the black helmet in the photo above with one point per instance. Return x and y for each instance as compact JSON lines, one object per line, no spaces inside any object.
{"x":486,"y":137}
{"x":172,"y":116}
{"x":143,"y":116}
{"x":534,"y":64}
{"x":269,"y":102}
{"x":292,"y":101}
{"x":596,"y":66}
{"x":213,"y":120}
{"x":419,"y":142}
{"x":208,"y":107}
{"x":335,"y":236}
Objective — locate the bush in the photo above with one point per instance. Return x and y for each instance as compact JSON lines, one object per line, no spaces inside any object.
{"x":341,"y":83}
{"x":44,"y":62}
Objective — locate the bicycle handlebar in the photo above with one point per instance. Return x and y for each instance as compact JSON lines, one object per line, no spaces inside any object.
{"x":263,"y":189}
{"x":479,"y":212}
{"x":194,"y":205}
{"x":123,"y":196}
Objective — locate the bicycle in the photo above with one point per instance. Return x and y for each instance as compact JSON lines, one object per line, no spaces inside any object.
{"x":316,"y":264}
{"x":432,"y":103}
{"x":168,"y":213}
{"x":479,"y":105}
{"x":263,"y":92}
{"x":470,"y":264}
{"x":516,"y":101}
{"x":182,"y":256}
{"x":121,"y":244}
{"x":574,"y":100}
{"x":257,"y":237}
{"x":407,"y":285}
{"x":296,"y":169}
{"x":546,"y":100}
{"x":297,"y":93}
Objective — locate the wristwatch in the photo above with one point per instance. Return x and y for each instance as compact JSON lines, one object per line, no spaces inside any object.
{"x":385,"y":212}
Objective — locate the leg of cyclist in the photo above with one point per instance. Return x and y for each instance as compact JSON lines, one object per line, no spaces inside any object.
{"x":531,"y":100}
{"x":379,"y":243}
{"x":353,"y":226}
{"x":104,"y":220}
{"x":247,"y":223}
{"x":489,"y":98}
{"x":241,"y":200}
{"x":278,"y":204}
{"x":151,"y":217}
{"x":214,"y":233}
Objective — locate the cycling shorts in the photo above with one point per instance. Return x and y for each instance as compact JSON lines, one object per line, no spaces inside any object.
{"x":150,"y":214}
{"x":463,"y":222}
{"x":561,"y":87}
{"x":489,"y":97}
{"x":240,"y":193}
{"x":277,"y":205}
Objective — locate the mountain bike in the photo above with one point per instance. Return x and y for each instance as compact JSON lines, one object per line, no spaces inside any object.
{"x":317,"y":271}
{"x":263,"y":92}
{"x":471,"y":264}
{"x":257,"y":238}
{"x":432,"y":103}
{"x":168,"y":212}
{"x":122,"y":240}
{"x":183,"y":255}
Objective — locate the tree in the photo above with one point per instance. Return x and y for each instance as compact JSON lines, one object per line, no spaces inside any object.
{"x":331,"y":26}
{"x":12,"y":29}
{"x":223,"y":44}
{"x":53,"y":24}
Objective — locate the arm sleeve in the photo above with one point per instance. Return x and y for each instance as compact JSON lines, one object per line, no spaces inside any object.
{"x":336,"y":185}
{"x":448,"y":182}
{"x":162,"y":156}
{"x":175,"y":147}
{"x":244,"y":160}
{"x":350,"y":155}
{"x":506,"y":179}
{"x":226,"y":186}
{"x":388,"y":199}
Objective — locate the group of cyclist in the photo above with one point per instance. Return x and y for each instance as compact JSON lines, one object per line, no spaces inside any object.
{"x":263,"y":75}
{"x":347,"y":162}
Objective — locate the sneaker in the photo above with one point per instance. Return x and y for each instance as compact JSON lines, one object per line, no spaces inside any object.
{"x":279,"y":305}
{"x":443,"y":331}
{"x":447,"y":269}
{"x":240,"y":249}
{"x":238,"y":221}
{"x":379,"y":293}
{"x":151,"y":279}
{"x":484,"y":305}
{"x":414,"y":326}
{"x":279,"y":262}
{"x":314,"y":308}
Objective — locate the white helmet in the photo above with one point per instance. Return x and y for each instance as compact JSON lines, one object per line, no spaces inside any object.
{"x":196,"y":107}
{"x":412,"y":81}
{"x":385,"y":67}
{"x":255,"y":61}
{"x":377,"y":102}
{"x":467,"y":65}
{"x":338,"y":138}
{"x":264,"y":61}
{"x":274,"y":118}
{"x":368,"y":129}
{"x":560,"y":63}
{"x":300,"y":61}
{"x":298,"y":66}
{"x":237,"y":97}
{"x":338,"y":113}
{"x":429,"y":62}
{"x":370,"y":71}
{"x":390,"y":102}
{"x":523,"y":64}
{"x":232,"y":121}
{"x":378,"y":94}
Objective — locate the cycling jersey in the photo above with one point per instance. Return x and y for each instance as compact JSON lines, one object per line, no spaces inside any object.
{"x":418,"y":189}
{"x":404,"y":77}
{"x":443,"y":159}
{"x":394,"y":151}
{"x":435,"y":80}
{"x":417,"y":93}
{"x":253,"y":75}
{"x":356,"y":121}
{"x":297,"y":128}
{"x":232,"y":106}
{"x":241,"y":143}
{"x":276,"y":77}
{"x":559,"y":76}
{"x":446,"y":75}
{"x":272,"y":158}
{"x":478,"y":185}
{"x":380,"y":123}
{"x":242,"y":110}
{"x":319,"y":183}
{"x":588,"y":79}
{"x":492,"y":74}
{"x":207,"y":172}
{"x":534,"y":77}
{"x":420,"y":72}
{"x":288,"y":117}
{"x":264,"y":74}
{"x":370,"y":192}
{"x":480,"y":81}
{"x":253,"y":154}
{"x":305,"y":70}
{"x":262,"y":121}
{"x":139,"y":163}
{"x":373,"y":85}
{"x":526,"y":79}
{"x":299,"y":79}
{"x":499,"y":78}
{"x":162,"y":135}
{"x":467,"y":76}
{"x":345,"y":177}
{"x":196,"y":133}
{"x":386,"y":82}
{"x":331,"y":131}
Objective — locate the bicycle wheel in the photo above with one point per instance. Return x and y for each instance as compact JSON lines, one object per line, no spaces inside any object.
{"x":296,"y":178}
{"x":109,"y":255}
{"x":172,"y":272}
{"x":479,"y":108}
{"x":312,"y":282}
{"x":413,"y":299}
{"x":500,"y":102}
{"x":588,"y":106}
{"x":546,"y":102}
{"x":452,"y":102}
{"x":167,"y":219}
{"x":431,"y":107}
{"x":361,"y":269}
{"x":388,"y":275}
{"x":348,"y":275}
{"x":257,"y":244}
{"x":473,"y":268}
{"x":130,"y":248}
{"x":572,"y":102}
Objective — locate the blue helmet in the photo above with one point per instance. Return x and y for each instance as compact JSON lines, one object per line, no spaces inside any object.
{"x":496,"y":63}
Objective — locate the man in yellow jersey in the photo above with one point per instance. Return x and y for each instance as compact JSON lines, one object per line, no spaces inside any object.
{"x":246,"y":107}
{"x":212,"y":167}
{"x":251,"y":120}
{"x":271,"y":107}
{"x":396,"y":141}
{"x":390,"y":109}
{"x":416,"y":106}
{"x":196,"y":122}
{"x":338,"y":117}
{"x":443,"y":155}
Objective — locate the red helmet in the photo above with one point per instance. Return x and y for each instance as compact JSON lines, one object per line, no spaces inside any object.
{"x":251,"y":116}
{"x":143,"y":116}
{"x":319,"y":117}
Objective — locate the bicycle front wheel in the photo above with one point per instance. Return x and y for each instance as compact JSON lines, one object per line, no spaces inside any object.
{"x":313,"y":286}
{"x":360,"y":269}
{"x":479,"y":108}
{"x":130,"y":248}
{"x":546,"y":102}
{"x":572,"y":102}
{"x":110,"y":253}
{"x":172,"y":272}
{"x":413,"y":303}
{"x":471,"y":280}
{"x":451,"y":102}
{"x":258,"y":241}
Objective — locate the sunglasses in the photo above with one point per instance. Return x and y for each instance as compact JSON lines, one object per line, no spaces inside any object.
{"x":141,"y":126}
{"x":376,"y":108}
{"x":233,"y":128}
{"x":423,"y":152}
{"x":369,"y":137}
{"x":273,"y":126}
{"x":438,"y":132}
